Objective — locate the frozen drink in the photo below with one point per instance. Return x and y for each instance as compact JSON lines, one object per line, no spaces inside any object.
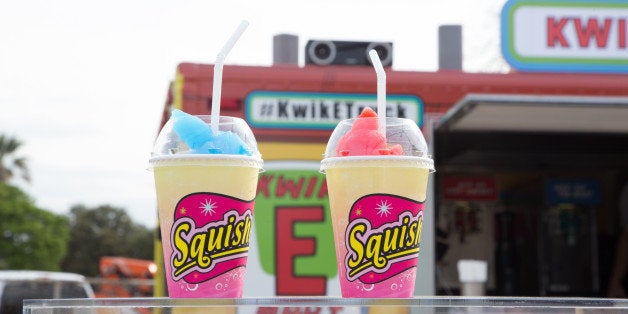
{"x":377,"y":188}
{"x":206,"y":185}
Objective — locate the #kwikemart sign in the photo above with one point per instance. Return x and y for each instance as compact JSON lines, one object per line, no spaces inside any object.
{"x":566,"y":36}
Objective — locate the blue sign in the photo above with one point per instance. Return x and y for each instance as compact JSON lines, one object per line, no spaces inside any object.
{"x":323,"y":111}
{"x":578,"y":192}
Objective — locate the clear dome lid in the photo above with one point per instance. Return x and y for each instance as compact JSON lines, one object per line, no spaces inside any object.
{"x":360,"y":137}
{"x":186,"y":134}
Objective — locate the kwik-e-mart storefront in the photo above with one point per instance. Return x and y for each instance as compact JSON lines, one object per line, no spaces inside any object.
{"x":529,"y":163}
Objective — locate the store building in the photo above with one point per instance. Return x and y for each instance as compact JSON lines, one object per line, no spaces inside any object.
{"x":529,"y":163}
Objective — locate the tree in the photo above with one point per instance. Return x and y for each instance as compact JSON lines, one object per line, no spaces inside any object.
{"x":9,"y":163}
{"x":30,"y":237}
{"x":103,"y":231}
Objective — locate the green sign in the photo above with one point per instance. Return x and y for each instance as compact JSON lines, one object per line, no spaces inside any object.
{"x":293,"y":228}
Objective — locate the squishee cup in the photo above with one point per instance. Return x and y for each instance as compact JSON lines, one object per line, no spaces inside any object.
{"x":377,"y":190}
{"x":206,"y":186}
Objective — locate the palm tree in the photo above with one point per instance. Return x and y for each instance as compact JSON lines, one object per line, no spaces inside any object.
{"x":8,"y":162}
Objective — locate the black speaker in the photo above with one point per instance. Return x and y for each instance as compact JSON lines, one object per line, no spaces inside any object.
{"x":326,"y":52}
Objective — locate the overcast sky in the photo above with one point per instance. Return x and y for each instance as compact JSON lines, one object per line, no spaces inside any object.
{"x":83,"y":83}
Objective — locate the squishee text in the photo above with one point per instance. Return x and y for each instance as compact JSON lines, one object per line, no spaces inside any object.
{"x":376,"y":249}
{"x":201,"y":248}
{"x":383,"y":237}
{"x":209,"y":236}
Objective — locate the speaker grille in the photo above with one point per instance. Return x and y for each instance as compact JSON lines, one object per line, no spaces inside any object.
{"x":333,"y":52}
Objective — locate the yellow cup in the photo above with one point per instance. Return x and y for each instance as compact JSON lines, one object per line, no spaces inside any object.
{"x":206,"y":204}
{"x":377,"y":205}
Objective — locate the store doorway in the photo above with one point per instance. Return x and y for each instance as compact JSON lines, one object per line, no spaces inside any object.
{"x":531,"y":184}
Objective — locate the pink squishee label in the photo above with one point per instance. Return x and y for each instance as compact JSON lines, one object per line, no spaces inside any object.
{"x":210,"y":242}
{"x":383,"y":241}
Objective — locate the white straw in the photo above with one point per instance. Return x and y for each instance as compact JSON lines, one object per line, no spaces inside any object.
{"x":381,"y":90}
{"x":218,"y":65}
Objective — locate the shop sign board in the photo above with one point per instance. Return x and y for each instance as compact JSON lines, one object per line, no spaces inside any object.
{"x":294,"y":252}
{"x":322,"y":111}
{"x":566,"y":35}
{"x":573,"y":191}
{"x":462,"y":188}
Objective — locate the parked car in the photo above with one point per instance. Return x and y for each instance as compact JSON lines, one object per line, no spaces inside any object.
{"x":18,"y":285}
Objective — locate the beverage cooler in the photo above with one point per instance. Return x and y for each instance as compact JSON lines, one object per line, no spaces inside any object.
{"x":567,"y":246}
{"x":465,"y":228}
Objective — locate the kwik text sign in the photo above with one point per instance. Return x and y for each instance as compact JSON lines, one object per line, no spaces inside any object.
{"x":293,"y":228}
{"x":566,"y":36}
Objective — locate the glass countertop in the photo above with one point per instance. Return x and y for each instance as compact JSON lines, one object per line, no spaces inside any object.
{"x":322,"y":305}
